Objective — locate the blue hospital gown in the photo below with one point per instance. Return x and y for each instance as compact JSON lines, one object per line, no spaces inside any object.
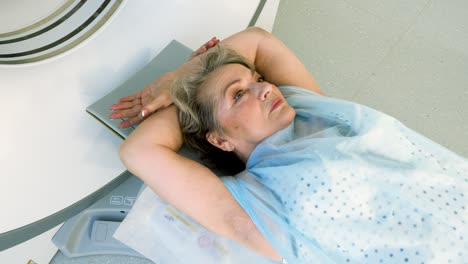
{"x":345,"y":183}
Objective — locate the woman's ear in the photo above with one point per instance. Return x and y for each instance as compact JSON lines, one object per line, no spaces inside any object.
{"x":218,"y":141}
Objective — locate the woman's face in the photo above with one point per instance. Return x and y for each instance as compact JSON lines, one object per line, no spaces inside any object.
{"x":248,"y":108}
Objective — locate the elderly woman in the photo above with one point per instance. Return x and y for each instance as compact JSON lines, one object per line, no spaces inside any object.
{"x":323,"y":180}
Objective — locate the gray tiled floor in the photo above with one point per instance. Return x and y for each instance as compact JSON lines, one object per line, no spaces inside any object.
{"x":408,"y":59}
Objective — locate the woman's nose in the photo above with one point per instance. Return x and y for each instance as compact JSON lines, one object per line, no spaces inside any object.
{"x":263,"y":90}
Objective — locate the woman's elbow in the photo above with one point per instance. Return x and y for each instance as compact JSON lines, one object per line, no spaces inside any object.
{"x":258,"y":30}
{"x":127,"y":151}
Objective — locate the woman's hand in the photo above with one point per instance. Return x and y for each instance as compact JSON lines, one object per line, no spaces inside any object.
{"x":138,"y":106}
{"x":211,"y":43}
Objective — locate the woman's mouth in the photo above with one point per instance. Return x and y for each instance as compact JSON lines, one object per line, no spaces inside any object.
{"x":277,"y":102}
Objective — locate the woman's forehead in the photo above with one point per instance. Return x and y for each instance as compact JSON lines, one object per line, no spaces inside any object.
{"x":218,"y":79}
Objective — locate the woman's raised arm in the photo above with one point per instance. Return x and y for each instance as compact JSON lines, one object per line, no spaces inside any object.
{"x":150,"y":153}
{"x":273,"y":60}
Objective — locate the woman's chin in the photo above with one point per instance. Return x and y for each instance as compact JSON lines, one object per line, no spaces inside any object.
{"x":286,"y":117}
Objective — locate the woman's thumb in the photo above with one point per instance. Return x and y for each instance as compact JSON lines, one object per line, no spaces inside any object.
{"x":146,"y":111}
{"x":150,"y":108}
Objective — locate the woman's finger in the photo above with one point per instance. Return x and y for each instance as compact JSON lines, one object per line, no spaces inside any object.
{"x":134,"y":111}
{"x":198,"y":52}
{"x":130,"y":122}
{"x":124,"y":105}
{"x":201,"y":50}
{"x":209,"y":44}
{"x":124,"y":124}
{"x":156,"y":104}
{"x":212,"y":43}
{"x":130,"y":97}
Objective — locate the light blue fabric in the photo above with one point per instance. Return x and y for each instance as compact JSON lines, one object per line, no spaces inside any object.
{"x":345,"y":183}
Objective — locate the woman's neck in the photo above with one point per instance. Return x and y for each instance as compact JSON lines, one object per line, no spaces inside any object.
{"x":243,"y":153}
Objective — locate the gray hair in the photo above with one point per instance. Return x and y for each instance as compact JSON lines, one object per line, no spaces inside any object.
{"x":197,"y":114}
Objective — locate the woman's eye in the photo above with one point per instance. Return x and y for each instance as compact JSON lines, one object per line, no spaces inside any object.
{"x":238,"y":95}
{"x":260,"y":79}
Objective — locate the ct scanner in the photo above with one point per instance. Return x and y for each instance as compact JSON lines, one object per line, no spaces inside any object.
{"x":56,"y":59}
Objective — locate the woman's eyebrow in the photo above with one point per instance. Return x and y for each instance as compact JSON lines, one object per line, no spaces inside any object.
{"x":229,"y":85}
{"x":234,"y":82}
